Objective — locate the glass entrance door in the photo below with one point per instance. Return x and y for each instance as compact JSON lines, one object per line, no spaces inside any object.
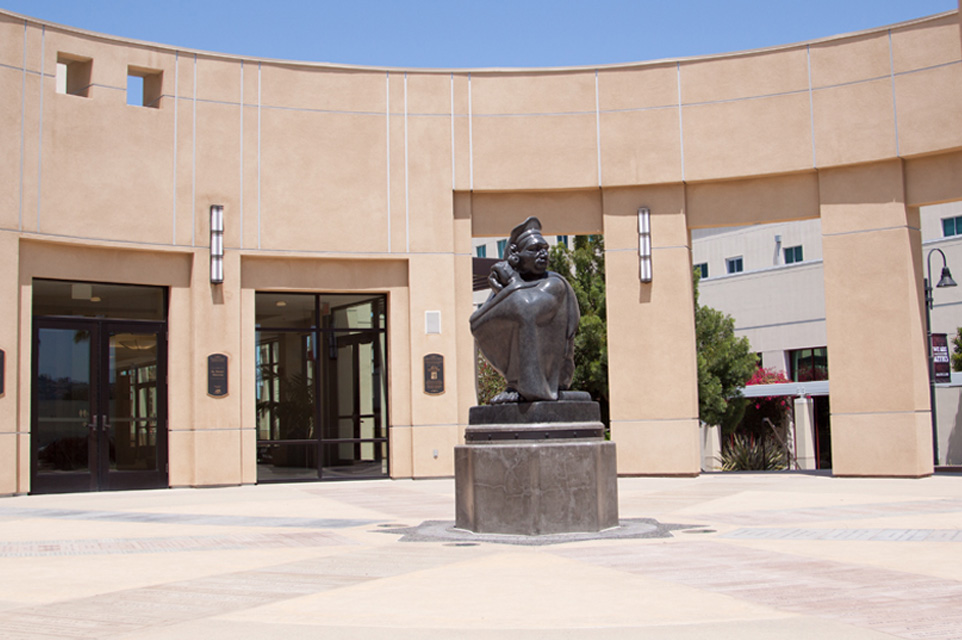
{"x":321,"y":386}
{"x":354,"y":442}
{"x":99,"y":405}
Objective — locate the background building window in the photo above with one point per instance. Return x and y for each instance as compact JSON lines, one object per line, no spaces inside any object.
{"x":809,"y":364}
{"x":563,"y":240}
{"x":482,"y":251}
{"x":502,"y":245}
{"x":952,"y":226}
{"x":793,"y":254}
{"x":702,"y":270}
{"x":734,"y":265}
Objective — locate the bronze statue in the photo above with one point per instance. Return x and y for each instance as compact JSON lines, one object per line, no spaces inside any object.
{"x":526,"y":327}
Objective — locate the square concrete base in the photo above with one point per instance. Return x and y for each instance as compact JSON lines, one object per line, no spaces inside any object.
{"x":536,"y":488}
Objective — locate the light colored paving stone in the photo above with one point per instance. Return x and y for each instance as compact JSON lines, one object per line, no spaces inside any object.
{"x":788,"y":556}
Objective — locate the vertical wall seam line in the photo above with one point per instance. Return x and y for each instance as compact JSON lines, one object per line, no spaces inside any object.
{"x":259,"y":102}
{"x":895,"y":111}
{"x":681,"y":122}
{"x":454,"y":174}
{"x":241,"y":144}
{"x":470,"y":136}
{"x":173,"y":224}
{"x":407,"y":193}
{"x":193,"y":171}
{"x":598,"y":126}
{"x":23,"y":118}
{"x":43,"y":52}
{"x":387,"y":121}
{"x":811,"y":105}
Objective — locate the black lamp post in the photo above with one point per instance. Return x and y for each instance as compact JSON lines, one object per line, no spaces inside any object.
{"x":945,"y":280}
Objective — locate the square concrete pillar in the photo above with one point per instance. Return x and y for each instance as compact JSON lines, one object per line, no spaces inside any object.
{"x":10,"y":439}
{"x":875,"y":321}
{"x":652,"y":371}
{"x":804,"y":433}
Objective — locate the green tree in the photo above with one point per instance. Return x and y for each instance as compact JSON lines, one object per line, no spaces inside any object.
{"x":725,"y":364}
{"x":584,"y":267}
{"x":957,"y":350}
{"x":490,"y":381}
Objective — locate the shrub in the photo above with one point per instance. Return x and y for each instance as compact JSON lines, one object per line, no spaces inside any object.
{"x":745,"y":452}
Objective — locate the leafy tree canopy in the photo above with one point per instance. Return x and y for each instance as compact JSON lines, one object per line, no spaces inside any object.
{"x":725,"y":364}
{"x":957,"y":350}
{"x":584,"y":267}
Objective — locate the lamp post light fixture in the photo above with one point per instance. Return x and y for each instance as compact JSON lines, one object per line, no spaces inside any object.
{"x":945,"y":280}
{"x":217,"y":244}
{"x":644,"y":244}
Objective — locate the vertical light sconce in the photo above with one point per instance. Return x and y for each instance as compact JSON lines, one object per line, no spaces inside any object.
{"x":217,"y":244}
{"x":644,"y":244}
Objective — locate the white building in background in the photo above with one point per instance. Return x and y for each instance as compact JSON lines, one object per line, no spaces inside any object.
{"x":770,"y":279}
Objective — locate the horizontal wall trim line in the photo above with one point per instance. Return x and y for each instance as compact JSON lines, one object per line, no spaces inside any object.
{"x":206,"y":429}
{"x":875,"y":230}
{"x":637,"y":420}
{"x":591,"y":112}
{"x":635,"y":249}
{"x":763,"y":270}
{"x":779,"y":324}
{"x":881,"y":413}
{"x":20,"y":69}
{"x":421,"y":426}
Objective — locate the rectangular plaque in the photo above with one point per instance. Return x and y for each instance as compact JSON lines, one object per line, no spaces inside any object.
{"x":217,"y":375}
{"x":434,"y":374}
{"x":940,"y":358}
{"x":2,"y":367}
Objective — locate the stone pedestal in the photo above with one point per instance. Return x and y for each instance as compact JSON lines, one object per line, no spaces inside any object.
{"x":535,"y":469}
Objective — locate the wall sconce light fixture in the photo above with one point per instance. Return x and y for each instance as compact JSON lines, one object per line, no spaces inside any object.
{"x":644,"y":244}
{"x":217,"y":244}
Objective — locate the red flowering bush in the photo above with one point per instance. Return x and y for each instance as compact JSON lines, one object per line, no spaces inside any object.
{"x":754,"y":429}
{"x":770,"y":376}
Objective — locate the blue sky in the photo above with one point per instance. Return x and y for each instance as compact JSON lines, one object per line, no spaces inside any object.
{"x":478,"y":33}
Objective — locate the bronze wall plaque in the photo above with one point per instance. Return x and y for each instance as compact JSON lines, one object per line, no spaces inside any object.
{"x":217,"y":375}
{"x":434,"y":374}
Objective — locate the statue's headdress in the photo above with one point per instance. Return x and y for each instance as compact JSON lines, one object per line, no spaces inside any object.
{"x":530,"y":227}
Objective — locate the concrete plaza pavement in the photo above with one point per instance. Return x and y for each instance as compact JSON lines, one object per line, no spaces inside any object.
{"x":775,"y":555}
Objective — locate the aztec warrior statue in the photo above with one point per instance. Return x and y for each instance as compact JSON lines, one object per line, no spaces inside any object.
{"x":526,"y":327}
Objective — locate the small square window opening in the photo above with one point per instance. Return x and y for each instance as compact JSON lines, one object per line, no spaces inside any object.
{"x":144,"y":87}
{"x":73,"y":75}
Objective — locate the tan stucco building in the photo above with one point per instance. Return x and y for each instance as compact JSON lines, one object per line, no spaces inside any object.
{"x":350,"y":197}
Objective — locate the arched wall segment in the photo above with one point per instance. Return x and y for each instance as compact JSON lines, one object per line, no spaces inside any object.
{"x":335,"y":165}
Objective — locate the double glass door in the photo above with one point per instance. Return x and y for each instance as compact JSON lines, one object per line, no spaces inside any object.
{"x":321,"y":386}
{"x":99,"y":405}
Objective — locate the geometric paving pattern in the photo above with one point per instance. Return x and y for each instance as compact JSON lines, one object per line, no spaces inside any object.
{"x":169,"y":544}
{"x":799,"y":577}
{"x":124,"y":612}
{"x":870,"y":535}
{"x":901,"y":604}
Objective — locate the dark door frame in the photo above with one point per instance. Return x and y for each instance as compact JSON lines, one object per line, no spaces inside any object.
{"x":98,"y":476}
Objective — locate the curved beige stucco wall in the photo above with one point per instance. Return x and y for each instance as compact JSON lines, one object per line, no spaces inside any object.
{"x":344,"y":179}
